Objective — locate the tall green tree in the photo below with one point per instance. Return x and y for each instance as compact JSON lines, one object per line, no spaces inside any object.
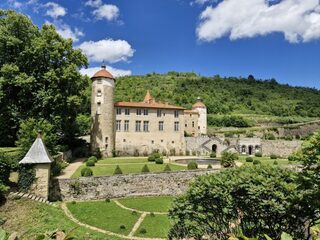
{"x":39,"y":77}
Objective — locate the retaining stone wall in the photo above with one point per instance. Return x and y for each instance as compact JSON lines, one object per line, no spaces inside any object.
{"x":147,"y":184}
{"x":281,"y":148}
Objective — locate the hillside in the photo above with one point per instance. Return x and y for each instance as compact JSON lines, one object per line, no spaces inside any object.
{"x":223,"y":95}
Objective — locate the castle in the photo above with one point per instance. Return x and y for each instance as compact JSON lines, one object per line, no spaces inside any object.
{"x":139,"y":128}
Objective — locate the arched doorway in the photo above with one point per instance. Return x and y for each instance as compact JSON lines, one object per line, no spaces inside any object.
{"x":250,"y":150}
{"x":214,"y":148}
{"x":243,"y":149}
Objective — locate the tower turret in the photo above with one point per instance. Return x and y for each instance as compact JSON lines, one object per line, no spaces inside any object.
{"x":201,"y":108}
{"x":102,"y":112}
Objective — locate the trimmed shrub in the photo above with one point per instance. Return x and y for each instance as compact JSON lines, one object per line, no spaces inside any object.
{"x":152,"y":157}
{"x":275,"y":162}
{"x":258,"y":154}
{"x":134,"y":213}
{"x":192,"y":165}
{"x":167,"y":168}
{"x":143,"y":231}
{"x":152,"y":214}
{"x":107,"y":200}
{"x":86,"y":172}
{"x":159,"y":161}
{"x":273,"y":156}
{"x":117,"y":170}
{"x":122,"y":227}
{"x":90,"y":163}
{"x":213,"y":155}
{"x":256,"y":162}
{"x":145,"y":169}
{"x":209,"y":166}
{"x":93,"y":158}
{"x":291,"y":158}
{"x":73,"y":202}
{"x":249,"y":159}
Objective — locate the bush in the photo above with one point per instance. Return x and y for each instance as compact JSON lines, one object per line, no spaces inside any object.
{"x":159,"y":161}
{"x":275,"y":162}
{"x":73,"y":202}
{"x":97,"y":153}
{"x":288,"y":138}
{"x":117,"y":170}
{"x":249,"y":159}
{"x":152,"y":214}
{"x":152,"y":157}
{"x":258,"y":154}
{"x":269,"y":136}
{"x":256,"y":162}
{"x":90,"y":163}
{"x":167,"y":168}
{"x":192,"y":165}
{"x":143,"y":231}
{"x":86,"y":172}
{"x":273,"y":156}
{"x":145,"y":169}
{"x":107,"y":200}
{"x":209,"y":166}
{"x":93,"y":159}
{"x":122,"y":227}
{"x":228,"y":159}
{"x":134,"y":213}
{"x":213,"y":155}
{"x":292,"y":157}
{"x":27,"y":176}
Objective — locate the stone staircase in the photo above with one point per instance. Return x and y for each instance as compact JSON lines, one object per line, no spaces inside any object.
{"x":31,"y":197}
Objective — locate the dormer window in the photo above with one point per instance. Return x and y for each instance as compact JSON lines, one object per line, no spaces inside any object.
{"x":99,"y":93}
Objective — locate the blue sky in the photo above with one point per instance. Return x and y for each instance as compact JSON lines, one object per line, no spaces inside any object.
{"x":275,"y":39}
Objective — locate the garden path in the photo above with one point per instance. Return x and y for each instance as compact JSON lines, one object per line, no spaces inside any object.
{"x":71,"y":168}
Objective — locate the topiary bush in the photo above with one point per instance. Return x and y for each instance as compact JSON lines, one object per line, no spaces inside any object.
{"x":159,"y":161}
{"x":273,"y":156}
{"x":256,"y":162}
{"x":167,"y":168}
{"x":143,"y":231}
{"x":258,"y":154}
{"x":93,"y":158}
{"x":275,"y":162}
{"x":90,"y":163}
{"x":107,"y":200}
{"x":145,"y":169}
{"x":192,"y":165}
{"x":86,"y":172}
{"x":209,"y":166}
{"x":152,"y":214}
{"x":117,"y":170}
{"x":122,"y":227}
{"x":134,"y":213}
{"x":249,"y":159}
{"x":213,"y":155}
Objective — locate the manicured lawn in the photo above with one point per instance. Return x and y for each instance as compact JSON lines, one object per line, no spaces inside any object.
{"x":122,"y":160}
{"x":265,"y":160}
{"x":31,"y":219}
{"x":148,"y":204}
{"x":156,"y":226}
{"x":104,"y":215}
{"x":108,"y":170}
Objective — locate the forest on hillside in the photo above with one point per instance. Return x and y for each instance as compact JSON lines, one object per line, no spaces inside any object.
{"x":223,"y":95}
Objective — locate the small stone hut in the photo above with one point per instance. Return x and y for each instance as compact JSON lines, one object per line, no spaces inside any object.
{"x":41,"y":160}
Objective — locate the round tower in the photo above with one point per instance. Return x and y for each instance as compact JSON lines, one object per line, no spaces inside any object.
{"x":102,"y":112}
{"x":202,"y":121}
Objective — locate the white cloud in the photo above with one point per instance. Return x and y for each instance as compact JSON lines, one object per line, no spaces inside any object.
{"x":114,"y":71}
{"x":66,"y":31}
{"x":298,"y":20}
{"x":15,"y":4}
{"x":54,"y":10}
{"x":108,"y":50}
{"x":94,"y":3}
{"x":107,"y":11}
{"x":201,"y":2}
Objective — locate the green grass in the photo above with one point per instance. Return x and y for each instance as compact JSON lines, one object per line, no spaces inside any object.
{"x":265,"y":160}
{"x":108,"y":170}
{"x":122,"y":160}
{"x":157,"y":226}
{"x":148,"y":204}
{"x":104,"y":215}
{"x":31,"y":219}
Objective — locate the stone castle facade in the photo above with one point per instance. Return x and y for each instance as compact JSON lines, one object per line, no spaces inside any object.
{"x":139,"y":128}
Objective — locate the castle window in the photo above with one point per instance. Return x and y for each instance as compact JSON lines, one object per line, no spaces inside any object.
{"x":172,"y":142}
{"x":199,"y":127}
{"x":138,"y":126}
{"x":161,"y":126}
{"x":152,"y":141}
{"x":159,"y":113}
{"x":118,"y":111}
{"x":124,"y":140}
{"x":193,"y":124}
{"x":118,"y":125}
{"x":145,"y":112}
{"x":146,"y":126}
{"x":176,"y":126}
{"x":176,"y":113}
{"x":98,"y":108}
{"x":162,"y":140}
{"x":186,"y":125}
{"x":126,"y":125}
{"x":99,"y":94}
{"x":127,"y":111}
{"x":138,"y":111}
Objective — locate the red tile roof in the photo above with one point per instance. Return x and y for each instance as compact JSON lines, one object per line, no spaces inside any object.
{"x":102,"y":73}
{"x":190,"y":112}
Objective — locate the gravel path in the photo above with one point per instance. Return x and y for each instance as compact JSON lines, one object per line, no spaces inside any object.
{"x":71,"y":168}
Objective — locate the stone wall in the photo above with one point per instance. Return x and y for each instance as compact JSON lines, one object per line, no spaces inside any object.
{"x":279,"y":147}
{"x":40,"y":187}
{"x":147,"y":184}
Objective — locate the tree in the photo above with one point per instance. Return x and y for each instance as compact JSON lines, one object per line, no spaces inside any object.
{"x":228,"y":159}
{"x":252,"y":201}
{"x":39,"y":77}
